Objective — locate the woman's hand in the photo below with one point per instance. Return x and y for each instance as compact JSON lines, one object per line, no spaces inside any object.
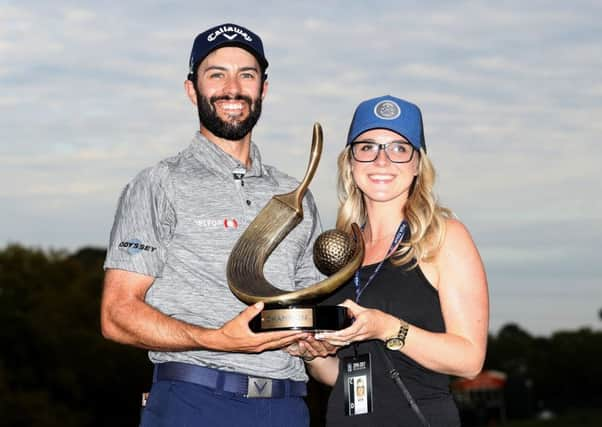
{"x":309,"y":348}
{"x":319,"y":358}
{"x":368,"y":324}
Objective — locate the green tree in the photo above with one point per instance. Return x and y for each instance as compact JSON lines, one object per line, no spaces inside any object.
{"x":559,"y":372}
{"x":55,"y":367}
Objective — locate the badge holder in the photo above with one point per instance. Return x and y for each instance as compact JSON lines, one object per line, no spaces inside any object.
{"x":357,"y":380}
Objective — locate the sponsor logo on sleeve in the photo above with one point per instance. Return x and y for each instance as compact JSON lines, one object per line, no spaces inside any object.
{"x":135,"y":246}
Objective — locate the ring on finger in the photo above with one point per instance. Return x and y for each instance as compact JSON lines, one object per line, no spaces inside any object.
{"x":307,"y":358}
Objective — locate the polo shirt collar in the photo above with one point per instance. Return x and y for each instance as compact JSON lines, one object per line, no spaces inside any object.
{"x":216,"y":159}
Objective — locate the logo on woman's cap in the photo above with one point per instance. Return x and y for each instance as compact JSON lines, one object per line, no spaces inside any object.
{"x":387,"y":110}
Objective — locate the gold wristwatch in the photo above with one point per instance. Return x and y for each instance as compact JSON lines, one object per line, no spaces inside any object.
{"x":397,"y":342}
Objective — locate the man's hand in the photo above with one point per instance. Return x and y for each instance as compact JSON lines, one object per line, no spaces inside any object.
{"x":236,"y":336}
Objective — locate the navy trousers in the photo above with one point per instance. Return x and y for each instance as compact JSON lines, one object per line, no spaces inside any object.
{"x":182,"y":404}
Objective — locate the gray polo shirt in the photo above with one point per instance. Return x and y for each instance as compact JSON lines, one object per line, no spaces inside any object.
{"x":178,"y":221}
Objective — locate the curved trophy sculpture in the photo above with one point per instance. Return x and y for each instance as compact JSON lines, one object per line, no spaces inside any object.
{"x":284,"y":309}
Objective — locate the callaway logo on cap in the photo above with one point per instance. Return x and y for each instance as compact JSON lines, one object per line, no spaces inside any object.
{"x":226,"y":35}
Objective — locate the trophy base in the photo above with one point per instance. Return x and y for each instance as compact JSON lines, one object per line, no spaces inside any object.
{"x":320,"y":318}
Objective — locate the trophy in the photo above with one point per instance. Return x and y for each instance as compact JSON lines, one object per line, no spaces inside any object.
{"x":336,"y":254}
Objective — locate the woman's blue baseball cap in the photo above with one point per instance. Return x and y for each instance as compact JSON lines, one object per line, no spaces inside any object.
{"x":226,"y":35}
{"x":388,"y":112}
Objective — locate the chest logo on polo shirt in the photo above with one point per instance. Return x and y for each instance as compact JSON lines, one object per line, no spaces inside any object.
{"x":230,"y":223}
{"x":226,"y":223}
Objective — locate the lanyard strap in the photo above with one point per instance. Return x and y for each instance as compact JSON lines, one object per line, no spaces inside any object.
{"x":394,"y":374}
{"x":401,"y":231}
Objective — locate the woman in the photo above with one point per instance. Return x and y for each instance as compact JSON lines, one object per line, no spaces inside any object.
{"x":420,"y":298}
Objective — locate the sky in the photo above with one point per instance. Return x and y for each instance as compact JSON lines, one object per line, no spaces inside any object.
{"x":511,"y":94}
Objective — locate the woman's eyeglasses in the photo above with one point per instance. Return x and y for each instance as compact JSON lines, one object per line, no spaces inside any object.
{"x":396,"y":152}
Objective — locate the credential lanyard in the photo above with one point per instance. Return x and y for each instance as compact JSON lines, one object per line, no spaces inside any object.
{"x":401,"y":231}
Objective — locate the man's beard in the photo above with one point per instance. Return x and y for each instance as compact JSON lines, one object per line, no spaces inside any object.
{"x":233,"y":131}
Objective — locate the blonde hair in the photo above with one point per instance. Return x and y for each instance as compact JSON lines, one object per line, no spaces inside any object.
{"x":425,"y":217}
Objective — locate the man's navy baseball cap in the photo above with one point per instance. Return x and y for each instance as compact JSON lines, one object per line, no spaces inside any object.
{"x":388,"y":112}
{"x":226,"y":35}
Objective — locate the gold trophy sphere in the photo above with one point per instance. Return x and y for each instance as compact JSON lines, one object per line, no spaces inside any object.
{"x":333,"y":250}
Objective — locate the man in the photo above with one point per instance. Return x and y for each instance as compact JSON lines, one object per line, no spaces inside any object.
{"x":165,"y":285}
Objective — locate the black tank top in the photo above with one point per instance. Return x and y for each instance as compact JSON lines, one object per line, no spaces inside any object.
{"x":406,"y":294}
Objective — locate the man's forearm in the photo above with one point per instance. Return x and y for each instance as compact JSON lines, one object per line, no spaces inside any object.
{"x":140,"y":325}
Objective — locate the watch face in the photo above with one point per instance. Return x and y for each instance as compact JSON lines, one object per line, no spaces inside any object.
{"x":394,"y":343}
